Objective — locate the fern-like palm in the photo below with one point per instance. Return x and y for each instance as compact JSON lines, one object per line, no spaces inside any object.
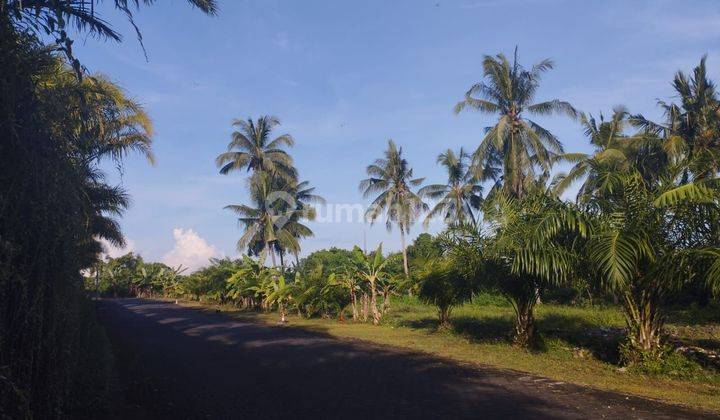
{"x":643,"y":251}
{"x":528,"y":251}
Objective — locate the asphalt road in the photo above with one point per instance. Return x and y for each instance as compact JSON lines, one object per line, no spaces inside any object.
{"x":176,"y":362}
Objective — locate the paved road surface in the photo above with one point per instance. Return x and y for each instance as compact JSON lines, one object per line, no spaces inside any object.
{"x":177,"y":363}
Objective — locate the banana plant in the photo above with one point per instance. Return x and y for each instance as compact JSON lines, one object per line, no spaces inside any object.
{"x":280,"y":294}
{"x":371,"y":268}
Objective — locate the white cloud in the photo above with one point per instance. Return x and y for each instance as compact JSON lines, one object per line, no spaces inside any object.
{"x":190,"y":250}
{"x":113,"y":251}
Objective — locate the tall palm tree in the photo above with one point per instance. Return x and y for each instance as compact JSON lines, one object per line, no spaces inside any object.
{"x":692,"y":128}
{"x":392,"y":179}
{"x":270,"y":224}
{"x":461,"y":195}
{"x":303,"y":199}
{"x":251,"y":148}
{"x":521,"y":144}
{"x":611,"y":145}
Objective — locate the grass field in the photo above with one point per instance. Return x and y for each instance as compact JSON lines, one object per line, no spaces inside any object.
{"x":577,"y":344}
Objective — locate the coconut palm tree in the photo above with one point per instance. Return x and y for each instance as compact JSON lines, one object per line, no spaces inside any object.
{"x":303,"y":199}
{"x":95,"y":121}
{"x":104,"y":204}
{"x":522,"y":145}
{"x":95,"y":116}
{"x":611,"y":143}
{"x":271,"y":223}
{"x":692,"y":128}
{"x":252,"y":149}
{"x":391,"y":178}
{"x":461,"y":196}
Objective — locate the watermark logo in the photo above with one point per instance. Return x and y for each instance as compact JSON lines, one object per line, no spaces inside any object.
{"x":283,"y":206}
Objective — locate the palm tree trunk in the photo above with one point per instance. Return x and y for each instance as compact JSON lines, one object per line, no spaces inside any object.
{"x":524,"y":305}
{"x":404,"y":252}
{"x":524,"y":325}
{"x":517,"y":179}
{"x":645,"y":322}
{"x":444,"y":316}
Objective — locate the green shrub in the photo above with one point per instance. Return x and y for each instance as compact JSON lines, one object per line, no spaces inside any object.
{"x":486,"y":298}
{"x":445,"y":288}
{"x":664,"y":363}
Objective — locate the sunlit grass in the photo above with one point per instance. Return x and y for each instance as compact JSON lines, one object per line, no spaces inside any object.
{"x":578,"y":345}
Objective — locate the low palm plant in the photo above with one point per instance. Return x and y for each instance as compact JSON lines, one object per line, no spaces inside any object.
{"x":532,"y":246}
{"x":643,"y":253}
{"x":348,"y":282}
{"x":445,"y":287}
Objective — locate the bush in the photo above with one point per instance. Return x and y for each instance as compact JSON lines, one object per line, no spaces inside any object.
{"x":445,"y":288}
{"x":665,"y":363}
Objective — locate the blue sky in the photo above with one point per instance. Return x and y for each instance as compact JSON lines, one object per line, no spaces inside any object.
{"x":345,"y":76}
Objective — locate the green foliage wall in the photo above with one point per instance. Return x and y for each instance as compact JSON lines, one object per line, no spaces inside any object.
{"x":50,"y":347}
